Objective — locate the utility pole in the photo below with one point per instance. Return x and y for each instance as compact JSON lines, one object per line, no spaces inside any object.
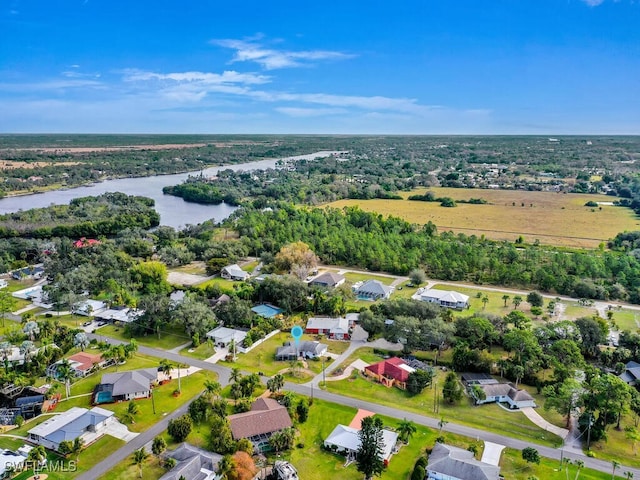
{"x":153,"y":402}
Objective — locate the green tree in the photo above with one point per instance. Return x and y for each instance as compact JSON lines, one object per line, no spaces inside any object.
{"x":221,"y":441}
{"x":369,"y":454}
{"x":535,"y":299}
{"x":517,"y":300}
{"x":406,"y":430}
{"x":76,"y":448}
{"x":419,"y":380}
{"x":505,"y":298}
{"x":485,"y":300}
{"x":158,"y":447}
{"x":275,"y":383}
{"x":417,"y":277}
{"x":65,"y":373}
{"x":563,"y":398}
{"x":614,"y":467}
{"x":65,"y":447}
{"x":139,"y":457}
{"x":451,"y":390}
{"x":530,"y":455}
{"x":179,"y":428}
{"x":302,"y":410}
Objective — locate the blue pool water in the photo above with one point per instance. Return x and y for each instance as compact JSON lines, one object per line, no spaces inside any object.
{"x":104,"y":397}
{"x":267,"y":311}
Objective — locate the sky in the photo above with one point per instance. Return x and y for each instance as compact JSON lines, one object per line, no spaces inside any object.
{"x":324,"y":67}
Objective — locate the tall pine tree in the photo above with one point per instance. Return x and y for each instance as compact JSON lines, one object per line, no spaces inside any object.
{"x":369,"y":454}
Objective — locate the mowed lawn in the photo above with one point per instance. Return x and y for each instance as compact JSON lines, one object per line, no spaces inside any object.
{"x":545,"y":216}
{"x":486,"y":417}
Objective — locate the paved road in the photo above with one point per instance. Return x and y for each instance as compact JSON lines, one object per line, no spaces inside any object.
{"x":307,"y":389}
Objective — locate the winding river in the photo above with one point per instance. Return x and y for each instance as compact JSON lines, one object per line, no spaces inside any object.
{"x":174,"y":211}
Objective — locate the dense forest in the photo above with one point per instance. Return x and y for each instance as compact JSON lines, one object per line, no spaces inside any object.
{"x":106,"y":214}
{"x":356,"y":238}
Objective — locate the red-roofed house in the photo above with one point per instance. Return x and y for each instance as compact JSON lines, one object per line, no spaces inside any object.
{"x":85,"y":242}
{"x":390,"y":372}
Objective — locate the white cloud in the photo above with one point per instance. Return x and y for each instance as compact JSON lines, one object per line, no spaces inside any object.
{"x":271,"y":59}
{"x":226,"y":77}
{"x":593,"y":3}
{"x":298,"y":112}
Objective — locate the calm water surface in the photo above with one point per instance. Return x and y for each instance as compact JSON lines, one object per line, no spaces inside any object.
{"x":174,"y":211}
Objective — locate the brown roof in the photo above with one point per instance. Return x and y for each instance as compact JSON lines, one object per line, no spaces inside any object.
{"x":266,"y":416}
{"x":86,"y":360}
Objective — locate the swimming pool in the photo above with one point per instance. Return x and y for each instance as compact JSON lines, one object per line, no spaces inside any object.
{"x":103,"y":397}
{"x":266,"y":311}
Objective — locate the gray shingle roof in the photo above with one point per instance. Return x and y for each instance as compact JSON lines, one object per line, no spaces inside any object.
{"x":373,"y":287}
{"x":131,"y":381}
{"x":459,"y":463}
{"x":190,"y":462}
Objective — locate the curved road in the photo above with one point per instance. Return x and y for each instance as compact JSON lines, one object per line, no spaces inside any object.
{"x":223,"y":374}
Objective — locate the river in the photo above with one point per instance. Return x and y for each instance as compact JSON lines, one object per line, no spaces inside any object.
{"x":174,"y":211}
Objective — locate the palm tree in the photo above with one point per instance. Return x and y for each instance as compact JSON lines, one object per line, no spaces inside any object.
{"x":212,"y":388}
{"x":505,"y":298}
{"x":628,"y":475}
{"x":235,"y":375}
{"x":65,"y":373}
{"x":406,"y":429}
{"x":132,"y":411}
{"x":614,"y":466}
{"x":37,"y":455}
{"x":579,"y":464}
{"x":518,"y":371}
{"x":442,"y":423}
{"x":485,"y":300}
{"x":166,"y":366}
{"x":76,"y":448}
{"x":158,"y":446}
{"x":139,"y":457}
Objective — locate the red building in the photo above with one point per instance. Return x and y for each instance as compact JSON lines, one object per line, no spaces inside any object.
{"x":390,"y":372}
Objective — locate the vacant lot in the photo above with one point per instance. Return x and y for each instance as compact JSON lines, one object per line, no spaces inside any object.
{"x":551,"y":218}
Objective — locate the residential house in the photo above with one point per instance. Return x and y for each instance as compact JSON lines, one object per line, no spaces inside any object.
{"x":119,"y":314}
{"x":452,"y":463}
{"x":234,"y":272}
{"x":10,"y":463}
{"x":75,"y":422}
{"x":334,"y":328}
{"x":35,"y":295}
{"x":82,"y":363}
{"x":328,"y":280}
{"x":373,"y":290}
{"x":258,"y":424}
{"x":123,"y":386}
{"x":631,"y":373}
{"x":90,"y":308}
{"x":444,"y":298}
{"x":36,"y":272}
{"x":306,"y":349}
{"x":391,"y":372}
{"x":193,"y":463}
{"x":346,"y":441}
{"x":502,"y":393}
{"x":223,"y":336}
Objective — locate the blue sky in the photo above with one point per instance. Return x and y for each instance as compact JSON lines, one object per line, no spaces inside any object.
{"x":270,"y":66}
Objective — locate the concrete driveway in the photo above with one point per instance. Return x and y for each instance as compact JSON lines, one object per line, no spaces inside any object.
{"x":491,"y":454}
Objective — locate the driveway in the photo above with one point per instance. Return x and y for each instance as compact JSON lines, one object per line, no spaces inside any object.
{"x":535,"y":417}
{"x":491,"y":454}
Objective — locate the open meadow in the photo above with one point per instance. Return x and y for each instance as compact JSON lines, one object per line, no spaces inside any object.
{"x":549,"y":217}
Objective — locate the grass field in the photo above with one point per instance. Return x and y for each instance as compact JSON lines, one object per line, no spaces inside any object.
{"x":262,"y":357}
{"x":487,"y":417}
{"x":169,"y":338}
{"x":544,"y":216}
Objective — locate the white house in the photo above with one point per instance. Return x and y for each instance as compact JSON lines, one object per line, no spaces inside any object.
{"x":444,"y":298}
{"x":222,"y":336}
{"x":503,"y":393}
{"x":89,"y":307}
{"x":75,"y":422}
{"x":452,"y":463}
{"x":335,"y":328}
{"x":233,"y":272}
{"x":345,"y":441}
{"x":10,"y":462}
